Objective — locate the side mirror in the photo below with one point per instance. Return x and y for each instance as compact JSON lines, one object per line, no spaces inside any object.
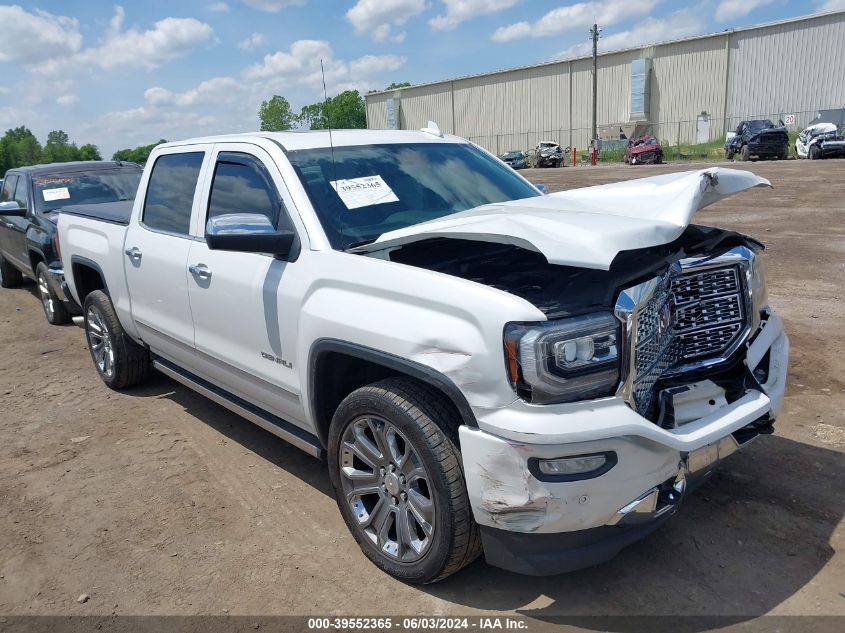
{"x":12,"y":209}
{"x":249,"y":233}
{"x":542,"y":188}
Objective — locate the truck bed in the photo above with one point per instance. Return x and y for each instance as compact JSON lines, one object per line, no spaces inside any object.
{"x":114,"y":212}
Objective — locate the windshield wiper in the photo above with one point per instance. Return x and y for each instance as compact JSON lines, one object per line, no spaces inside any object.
{"x":361,"y":243}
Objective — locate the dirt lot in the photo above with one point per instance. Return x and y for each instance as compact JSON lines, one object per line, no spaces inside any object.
{"x":156,"y":501}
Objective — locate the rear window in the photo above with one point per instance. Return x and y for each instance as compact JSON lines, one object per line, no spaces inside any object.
{"x":170,"y":193}
{"x":54,"y":191}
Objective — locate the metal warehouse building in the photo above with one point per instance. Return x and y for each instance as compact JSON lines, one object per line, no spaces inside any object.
{"x":687,"y":91}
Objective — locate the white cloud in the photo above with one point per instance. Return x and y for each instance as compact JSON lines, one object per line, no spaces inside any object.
{"x":832,"y":5}
{"x":67,"y":99}
{"x":458,"y":11}
{"x":217,"y":7}
{"x":253,"y":41}
{"x":733,"y":9}
{"x":684,"y":23}
{"x":168,"y":39}
{"x":575,"y":17}
{"x":32,"y":38}
{"x":378,"y":18}
{"x":272,"y":6}
{"x":217,"y":90}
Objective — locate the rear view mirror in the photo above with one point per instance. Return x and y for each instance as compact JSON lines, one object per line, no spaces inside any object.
{"x":250,"y":233}
{"x":12,"y":209}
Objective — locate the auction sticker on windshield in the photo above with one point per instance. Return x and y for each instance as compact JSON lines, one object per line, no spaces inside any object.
{"x":59,"y":193}
{"x":364,"y":192}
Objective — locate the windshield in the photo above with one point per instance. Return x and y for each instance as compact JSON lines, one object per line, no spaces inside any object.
{"x":756,"y":126}
{"x":372,"y":189}
{"x":53,"y":191}
{"x":513,"y":155}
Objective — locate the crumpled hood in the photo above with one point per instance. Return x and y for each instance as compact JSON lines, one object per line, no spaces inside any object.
{"x":586,"y":227}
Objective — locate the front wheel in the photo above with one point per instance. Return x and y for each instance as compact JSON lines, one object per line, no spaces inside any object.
{"x":396,"y":469}
{"x":119,"y":360}
{"x":745,"y":154}
{"x":54,"y":309}
{"x":814,"y":153}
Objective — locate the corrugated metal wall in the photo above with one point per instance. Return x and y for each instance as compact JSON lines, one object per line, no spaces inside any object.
{"x":796,"y":67}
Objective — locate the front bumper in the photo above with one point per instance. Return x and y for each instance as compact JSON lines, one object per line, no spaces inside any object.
{"x":57,"y":283}
{"x":539,"y":526}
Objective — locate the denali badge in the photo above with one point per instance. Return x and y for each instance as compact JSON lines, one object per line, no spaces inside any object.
{"x":277,"y":359}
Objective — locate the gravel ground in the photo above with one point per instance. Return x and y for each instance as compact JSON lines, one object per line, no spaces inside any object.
{"x":156,"y":501}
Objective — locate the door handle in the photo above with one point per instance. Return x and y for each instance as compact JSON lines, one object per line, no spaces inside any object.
{"x":200,"y":270}
{"x":134,"y":253}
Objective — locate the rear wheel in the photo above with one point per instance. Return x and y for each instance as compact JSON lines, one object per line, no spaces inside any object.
{"x":397,"y":472}
{"x":119,"y":360}
{"x":10,"y":277}
{"x":54,"y":308}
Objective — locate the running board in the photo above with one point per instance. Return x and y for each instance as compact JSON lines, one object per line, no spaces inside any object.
{"x":290,"y":433}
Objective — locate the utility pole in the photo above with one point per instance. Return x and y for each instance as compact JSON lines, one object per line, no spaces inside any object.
{"x":595,"y":34}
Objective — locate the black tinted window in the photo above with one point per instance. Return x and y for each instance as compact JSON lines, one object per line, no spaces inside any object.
{"x":8,"y":189}
{"x":22,"y":193}
{"x":170,"y":193}
{"x":242,"y":185}
{"x":93,"y":186}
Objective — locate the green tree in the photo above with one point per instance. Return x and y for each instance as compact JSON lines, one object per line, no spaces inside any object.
{"x":313,"y":116}
{"x":138,"y":155}
{"x":89,"y":152}
{"x":58,"y":148}
{"x":345,"y":111}
{"x":395,"y":86}
{"x":276,"y":115}
{"x":19,"y":148}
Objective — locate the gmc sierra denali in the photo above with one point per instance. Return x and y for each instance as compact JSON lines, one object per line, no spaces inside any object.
{"x":539,"y":377}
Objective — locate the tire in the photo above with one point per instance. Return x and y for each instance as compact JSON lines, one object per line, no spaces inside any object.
{"x":405,"y":437}
{"x":10,"y":277}
{"x":745,"y":154}
{"x":54,"y":308}
{"x":729,"y":155}
{"x":814,"y":153}
{"x":784,"y":155}
{"x":119,"y":360}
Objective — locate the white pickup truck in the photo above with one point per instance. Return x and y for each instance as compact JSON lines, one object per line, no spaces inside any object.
{"x":541,"y":377}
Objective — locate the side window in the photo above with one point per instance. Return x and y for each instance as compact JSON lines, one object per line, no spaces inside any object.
{"x":242,"y":185}
{"x":8,"y":188}
{"x":170,"y":192}
{"x":22,"y":192}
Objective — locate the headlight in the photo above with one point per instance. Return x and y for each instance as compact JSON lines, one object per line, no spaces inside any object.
{"x":564,"y":360}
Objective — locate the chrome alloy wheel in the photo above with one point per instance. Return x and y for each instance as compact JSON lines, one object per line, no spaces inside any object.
{"x":46,"y":298}
{"x":99,"y":341}
{"x":387,"y":488}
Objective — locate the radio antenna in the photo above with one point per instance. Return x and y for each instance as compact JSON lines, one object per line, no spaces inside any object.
{"x":328,"y":121}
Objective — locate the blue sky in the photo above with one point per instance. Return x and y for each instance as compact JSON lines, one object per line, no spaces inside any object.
{"x":123,"y":75}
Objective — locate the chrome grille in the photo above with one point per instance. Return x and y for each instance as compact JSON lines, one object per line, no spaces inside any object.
{"x":710,"y":313}
{"x":679,"y":319}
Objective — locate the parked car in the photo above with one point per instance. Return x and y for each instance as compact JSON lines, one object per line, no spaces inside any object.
{"x":516,"y":159}
{"x":548,"y":154}
{"x":645,"y":150}
{"x":30,"y":201}
{"x":757,"y":139}
{"x":822,"y":140}
{"x":541,"y":377}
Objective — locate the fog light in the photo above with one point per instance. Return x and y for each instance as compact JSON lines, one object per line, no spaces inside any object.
{"x":572,"y":468}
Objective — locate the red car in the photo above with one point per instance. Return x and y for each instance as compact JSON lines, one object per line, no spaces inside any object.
{"x":645,"y":150}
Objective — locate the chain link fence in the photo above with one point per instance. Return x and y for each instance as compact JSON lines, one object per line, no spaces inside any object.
{"x":701,"y":138}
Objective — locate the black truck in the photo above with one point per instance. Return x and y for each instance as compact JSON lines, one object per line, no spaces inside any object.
{"x":30,"y":201}
{"x":758,"y":139}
